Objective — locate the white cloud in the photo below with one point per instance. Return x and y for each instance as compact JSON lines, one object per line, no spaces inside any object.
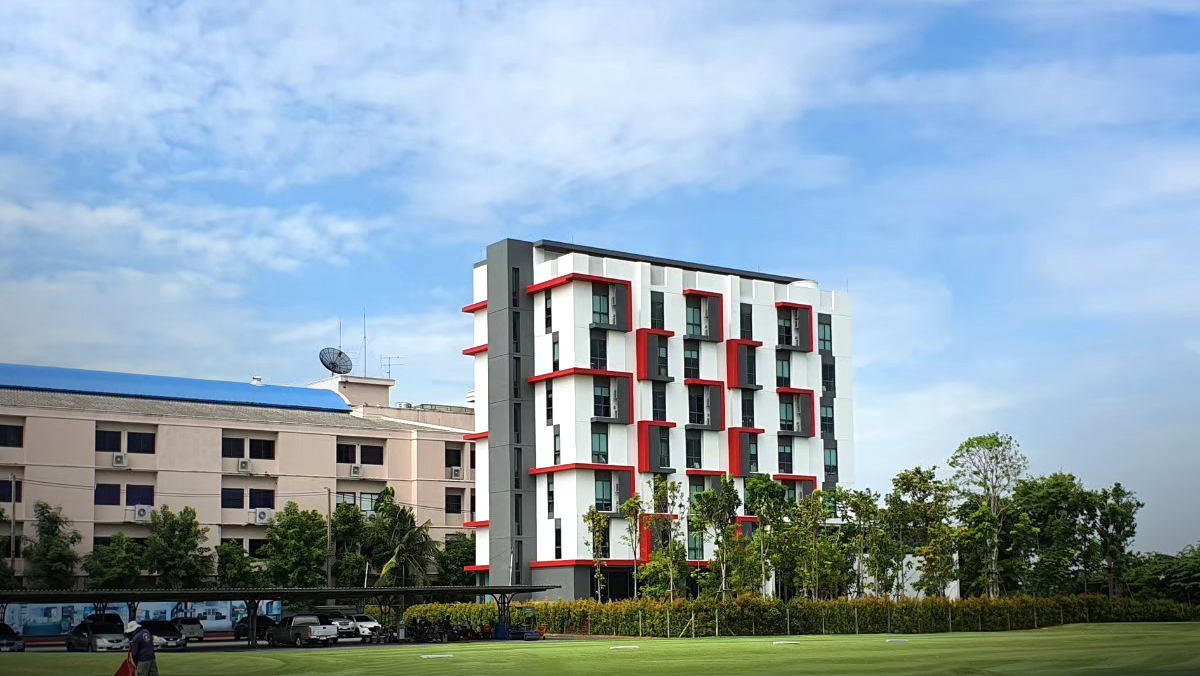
{"x":898,"y":318}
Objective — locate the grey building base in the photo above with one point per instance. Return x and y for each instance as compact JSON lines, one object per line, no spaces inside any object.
{"x":575,"y":582}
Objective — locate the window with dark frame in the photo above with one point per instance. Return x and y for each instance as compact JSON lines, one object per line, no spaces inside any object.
{"x":549,"y":313}
{"x":8,"y":492}
{"x":347,"y":454}
{"x":752,"y":453}
{"x":345,"y":497}
{"x":514,"y":284}
{"x":549,"y":402}
{"x":694,"y":324}
{"x":696,"y":414}
{"x":824,"y":337}
{"x":516,"y":423}
{"x":557,"y":447}
{"x":108,"y":441}
{"x":657,"y":310}
{"x":695,"y":543}
{"x":664,"y":448}
{"x":783,"y":369}
{"x":658,"y":401}
{"x":453,"y":455}
{"x":599,"y":443}
{"x":262,"y":498}
{"x":694,"y":447}
{"x":691,"y":359}
{"x":602,"y":397}
{"x":785,"y":456}
{"x":831,"y":461}
{"x":695,"y":485}
{"x":233,"y":498}
{"x":12,"y":436}
{"x":554,"y":354}
{"x":600,"y":304}
{"x":787,"y":413}
{"x":550,"y":496}
{"x":262,"y":449}
{"x":599,"y":348}
{"x":453,"y":501}
{"x":516,"y":468}
{"x":747,"y":408}
{"x":516,"y":377}
{"x":370,"y":455}
{"x":662,"y":361}
{"x":518,"y":516}
{"x":751,"y":368}
{"x":139,"y":442}
{"x":828,"y":381}
{"x":747,"y":321}
{"x":785,"y":326}
{"x":604,"y":499}
{"x":827,"y":420}
{"x":558,"y":540}
{"x":233,"y":447}
{"x":108,"y":494}
{"x":138,"y":494}
{"x":253,"y":545}
{"x":516,"y":331}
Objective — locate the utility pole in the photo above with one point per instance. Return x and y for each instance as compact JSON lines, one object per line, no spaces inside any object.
{"x":328,"y":537}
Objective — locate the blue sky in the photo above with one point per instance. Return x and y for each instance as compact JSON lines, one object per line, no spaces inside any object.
{"x":1011,"y":191}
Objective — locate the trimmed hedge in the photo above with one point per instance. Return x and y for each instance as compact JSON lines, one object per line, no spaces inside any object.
{"x":756,"y":615}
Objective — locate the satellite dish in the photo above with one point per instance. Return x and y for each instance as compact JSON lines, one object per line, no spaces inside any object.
{"x":336,"y":361}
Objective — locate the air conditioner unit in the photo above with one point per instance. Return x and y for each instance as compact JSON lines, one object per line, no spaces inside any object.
{"x":456,"y":473}
{"x":262,"y":516}
{"x":245,"y":466}
{"x":121,"y":460}
{"x":140,"y":513}
{"x":355,"y":470}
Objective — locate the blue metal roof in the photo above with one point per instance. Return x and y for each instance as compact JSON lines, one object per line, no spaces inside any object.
{"x":56,"y":379}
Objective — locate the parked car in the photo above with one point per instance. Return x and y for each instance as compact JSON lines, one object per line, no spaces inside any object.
{"x":301,"y":630}
{"x":262,"y":626}
{"x":368,"y":627}
{"x":165,"y":634}
{"x":97,"y":637}
{"x":105,"y":618}
{"x":10,"y":641}
{"x":345,"y":626}
{"x":190,"y":627}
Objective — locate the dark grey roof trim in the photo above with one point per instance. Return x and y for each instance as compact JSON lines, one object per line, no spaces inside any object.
{"x":563,"y":247}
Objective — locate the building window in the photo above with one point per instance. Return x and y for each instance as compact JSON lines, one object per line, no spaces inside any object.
{"x":453,"y":455}
{"x":663,"y":359}
{"x":604,"y":501}
{"x":785,"y":456}
{"x":828,"y":380}
{"x":658,"y":401}
{"x":752,"y":453}
{"x":602,"y":548}
{"x":370,"y":455}
{"x":516,"y":377}
{"x":108,"y":441}
{"x":831,"y":461}
{"x":139,"y":442}
{"x":747,"y":408}
{"x":599,"y":344}
{"x":233,"y":447}
{"x":554,"y":354}
{"x":789,"y":491}
{"x":600,"y":443}
{"x":695,"y":543}
{"x":695,"y":323}
{"x":783,"y":369}
{"x":233,"y":498}
{"x":696,"y":405}
{"x":518,"y":518}
{"x":108,"y":494}
{"x":366,"y":502}
{"x":347,"y":454}
{"x":346,"y":497}
{"x":453,"y":502}
{"x":518,"y":557}
{"x":9,"y":493}
{"x":751,"y":368}
{"x":657,"y":310}
{"x":695,"y":485}
{"x":516,"y":423}
{"x":785,"y":326}
{"x":262,"y":449}
{"x":550,"y":496}
{"x":824,"y":337}
{"x":472,"y":504}
{"x":747,"y":321}
{"x":602,"y":398}
{"x":557,"y":447}
{"x":262,"y":498}
{"x":549,"y":402}
{"x":137,"y":494}
{"x":549,"y":314}
{"x":694,"y":445}
{"x":599,"y":303}
{"x":558,"y":540}
{"x":253,"y":545}
{"x":691,"y":359}
{"x":664,"y":448}
{"x":516,"y":467}
{"x":12,"y":436}
{"x":472,"y":456}
{"x":516,"y":331}
{"x":827,"y":420}
{"x":787,"y":414}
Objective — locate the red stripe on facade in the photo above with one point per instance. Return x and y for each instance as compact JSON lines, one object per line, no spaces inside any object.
{"x":643,"y":356}
{"x":698,"y":292}
{"x":475,"y":307}
{"x":704,"y":472}
{"x":795,"y":477}
{"x":720,"y":318}
{"x":581,"y":277}
{"x":746,"y":519}
{"x":732,"y":363}
{"x":812,"y":340}
{"x":643,"y":439}
{"x":579,"y":371}
{"x":475,"y":436}
{"x":571,"y":563}
{"x":478,"y":349}
{"x":593,"y":466}
{"x":812,"y":404}
{"x":735,"y":447}
{"x":477,"y":569}
{"x":476,"y":524}
{"x":701,"y":381}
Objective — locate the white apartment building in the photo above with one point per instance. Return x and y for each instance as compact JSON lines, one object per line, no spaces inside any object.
{"x":597,"y":370}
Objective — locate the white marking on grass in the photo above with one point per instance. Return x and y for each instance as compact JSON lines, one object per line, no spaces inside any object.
{"x":786,"y":642}
{"x":433,"y":657}
{"x":897,"y":640}
{"x":624,"y":647}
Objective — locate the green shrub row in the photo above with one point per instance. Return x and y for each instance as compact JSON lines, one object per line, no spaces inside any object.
{"x":754,"y":615}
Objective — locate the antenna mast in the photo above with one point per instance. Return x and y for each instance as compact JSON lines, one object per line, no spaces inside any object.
{"x":364,"y":355}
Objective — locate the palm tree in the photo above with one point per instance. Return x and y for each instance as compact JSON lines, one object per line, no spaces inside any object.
{"x":399,"y":547}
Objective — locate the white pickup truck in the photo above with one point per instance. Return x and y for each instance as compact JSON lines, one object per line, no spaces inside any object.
{"x":301,"y":630}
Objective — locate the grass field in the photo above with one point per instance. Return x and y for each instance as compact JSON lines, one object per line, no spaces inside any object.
{"x":1077,"y":649}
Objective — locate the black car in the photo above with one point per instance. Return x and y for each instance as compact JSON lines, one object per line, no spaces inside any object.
{"x":10,"y":641}
{"x":166,"y":635}
{"x":262,"y":625}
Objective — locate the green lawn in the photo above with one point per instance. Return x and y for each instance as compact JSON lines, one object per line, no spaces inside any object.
{"x":1092,"y":649}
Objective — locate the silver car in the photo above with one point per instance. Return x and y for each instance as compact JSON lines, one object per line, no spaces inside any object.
{"x":95,"y":637}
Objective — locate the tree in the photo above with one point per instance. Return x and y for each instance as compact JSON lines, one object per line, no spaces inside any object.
{"x":669,"y":506}
{"x":117,"y":565}
{"x":401,"y":548}
{"x":235,"y":569}
{"x":989,"y":465}
{"x":175,"y":550}
{"x":766,"y":499}
{"x":1117,"y":524}
{"x":457,"y":553}
{"x":715,"y":511}
{"x":295,"y":548}
{"x":8,"y":579}
{"x":51,"y":556}
{"x":596,"y":525}
{"x":634,"y":511}
{"x":1054,"y":522}
{"x":349,"y":530}
{"x":919,"y":507}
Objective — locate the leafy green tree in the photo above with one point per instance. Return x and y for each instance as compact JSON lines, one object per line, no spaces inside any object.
{"x":767,"y":499}
{"x":350,"y":570}
{"x":596,"y":526}
{"x":920,"y":508}
{"x":401,"y":549}
{"x":715,"y":511}
{"x":666,"y":567}
{"x":51,"y":555}
{"x":989,"y":466}
{"x":295,"y":548}
{"x":1055,"y":515}
{"x":666,"y":525}
{"x":8,"y":580}
{"x":349,"y":531}
{"x":457,"y":553}
{"x":117,"y":565}
{"x":634,"y":512}
{"x":175,"y":550}
{"x":235,"y":569}
{"x":1117,"y":525}
{"x":864,"y":526}
{"x":820,"y":554}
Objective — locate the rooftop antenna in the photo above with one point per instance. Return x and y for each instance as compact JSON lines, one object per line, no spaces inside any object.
{"x":386,"y":363}
{"x":336,"y":361}
{"x":364,"y":353}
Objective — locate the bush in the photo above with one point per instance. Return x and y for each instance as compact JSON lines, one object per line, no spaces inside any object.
{"x":756,"y":615}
